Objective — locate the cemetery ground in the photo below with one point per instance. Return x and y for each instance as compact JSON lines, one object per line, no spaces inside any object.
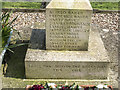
{"x":37,"y":5}
{"x":15,"y":73}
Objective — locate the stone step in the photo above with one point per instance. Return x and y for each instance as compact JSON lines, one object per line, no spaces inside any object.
{"x":85,"y":65}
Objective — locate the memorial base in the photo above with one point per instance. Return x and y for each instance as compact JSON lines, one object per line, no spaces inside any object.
{"x":90,"y":67}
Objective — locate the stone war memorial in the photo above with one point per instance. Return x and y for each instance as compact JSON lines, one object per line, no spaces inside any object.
{"x":69,"y":48}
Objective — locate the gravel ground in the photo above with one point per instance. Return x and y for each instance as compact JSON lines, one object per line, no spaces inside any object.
{"x":108,"y":22}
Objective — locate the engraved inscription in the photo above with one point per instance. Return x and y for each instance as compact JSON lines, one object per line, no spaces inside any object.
{"x":78,"y":70}
{"x":67,"y":29}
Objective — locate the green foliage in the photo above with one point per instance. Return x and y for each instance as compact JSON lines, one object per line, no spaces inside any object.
{"x":7,"y":27}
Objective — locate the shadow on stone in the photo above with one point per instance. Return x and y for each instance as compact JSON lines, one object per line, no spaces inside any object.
{"x":15,"y":64}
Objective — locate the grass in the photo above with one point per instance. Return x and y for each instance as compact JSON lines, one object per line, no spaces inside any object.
{"x":105,"y":5}
{"x":22,"y":5}
{"x":36,"y":5}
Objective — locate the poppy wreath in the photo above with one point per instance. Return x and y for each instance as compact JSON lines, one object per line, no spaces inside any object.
{"x":48,"y":86}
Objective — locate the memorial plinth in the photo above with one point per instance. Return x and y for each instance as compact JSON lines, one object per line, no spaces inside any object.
{"x":50,"y":64}
{"x":68,"y":24}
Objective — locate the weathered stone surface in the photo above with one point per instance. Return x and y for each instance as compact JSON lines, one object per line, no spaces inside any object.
{"x":91,"y":64}
{"x":68,"y":70}
{"x":68,"y":24}
{"x":71,"y":4}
